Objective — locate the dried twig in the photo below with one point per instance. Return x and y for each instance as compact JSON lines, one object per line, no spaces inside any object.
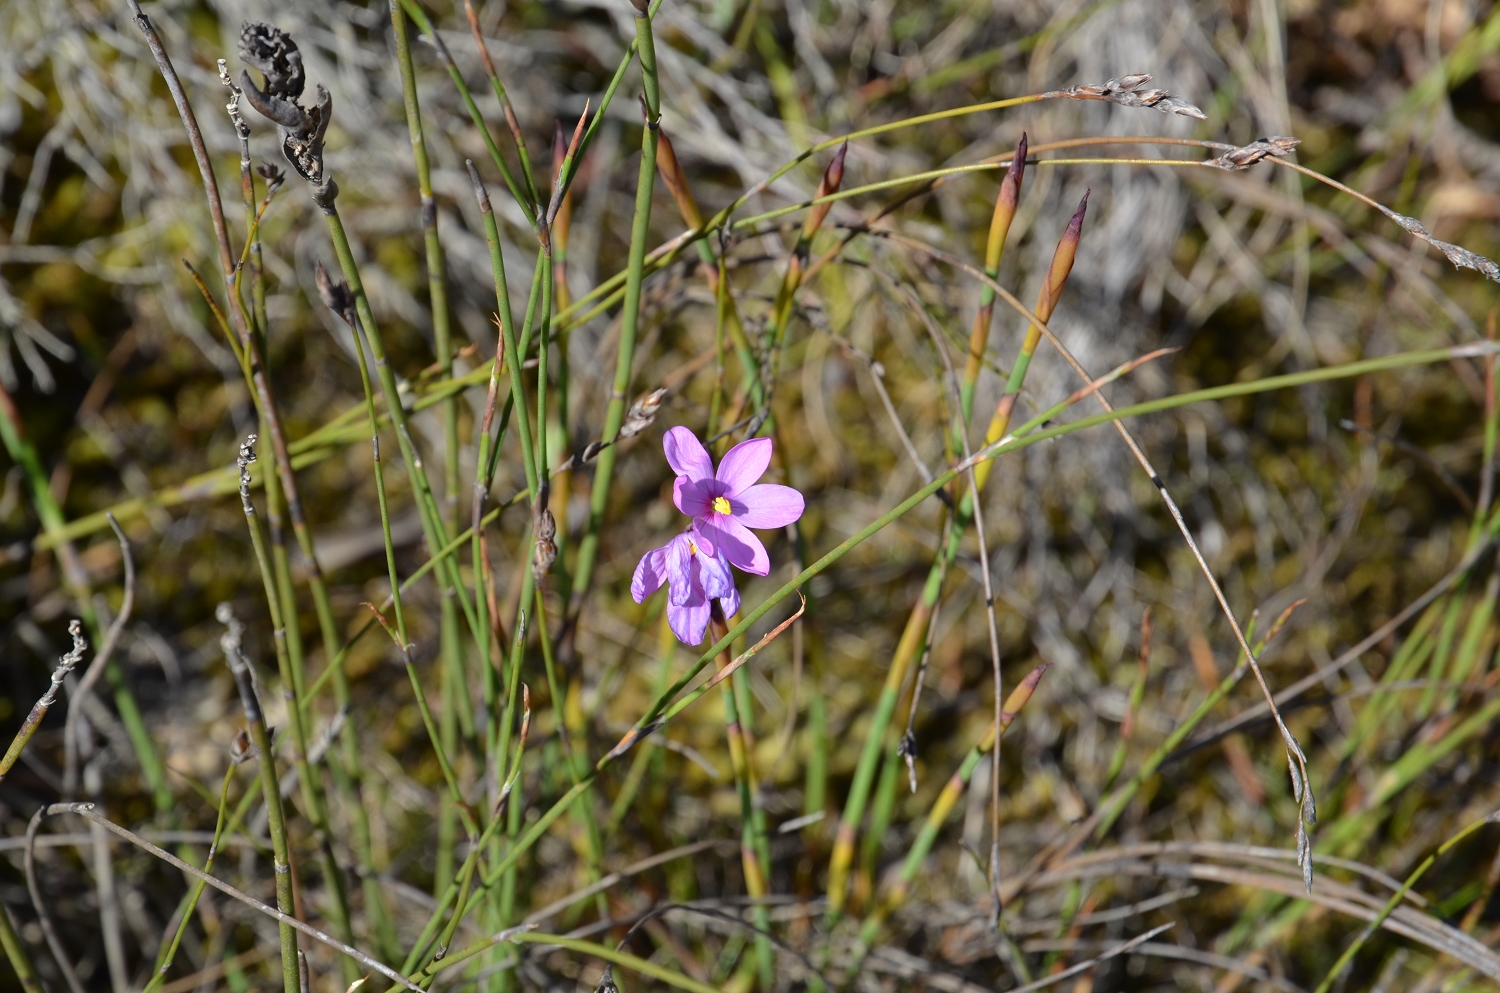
{"x":65,"y":665}
{"x":96,"y":667}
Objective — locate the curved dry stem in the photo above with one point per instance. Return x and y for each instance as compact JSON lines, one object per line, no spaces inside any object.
{"x":96,"y":668}
{"x":60,"y":954}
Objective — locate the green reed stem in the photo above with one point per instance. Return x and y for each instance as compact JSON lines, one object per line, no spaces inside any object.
{"x":270,"y":789}
{"x":15,"y":953}
{"x":588,"y":548}
{"x":198,"y":886}
{"x":432,"y":525}
{"x":1394,"y":901}
{"x":419,"y":16}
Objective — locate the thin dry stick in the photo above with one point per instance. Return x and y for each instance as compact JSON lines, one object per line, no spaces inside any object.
{"x":96,"y":668}
{"x":1296,"y":759}
{"x":86,"y":810}
{"x":65,"y":665}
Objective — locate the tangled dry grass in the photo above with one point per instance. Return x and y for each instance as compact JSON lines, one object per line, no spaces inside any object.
{"x":1148,"y":833}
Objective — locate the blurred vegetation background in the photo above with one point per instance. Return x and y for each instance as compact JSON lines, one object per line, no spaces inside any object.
{"x":1354,"y":496}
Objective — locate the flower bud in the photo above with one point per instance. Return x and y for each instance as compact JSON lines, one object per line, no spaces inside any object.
{"x":833,"y":178}
{"x":1062,"y":262}
{"x":676,"y":180}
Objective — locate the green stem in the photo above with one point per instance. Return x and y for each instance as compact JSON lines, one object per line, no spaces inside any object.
{"x":270,"y":789}
{"x":588,"y":548}
{"x":1393,"y":902}
{"x":198,"y":886}
{"x":15,"y":952}
{"x":425,"y":26}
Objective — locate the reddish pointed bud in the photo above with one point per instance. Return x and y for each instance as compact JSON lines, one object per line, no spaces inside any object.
{"x":1021,"y":694}
{"x":642,"y":7}
{"x":578,"y":129}
{"x":676,"y":180}
{"x":833,"y":178}
{"x":1005,"y":207}
{"x":1062,"y":262}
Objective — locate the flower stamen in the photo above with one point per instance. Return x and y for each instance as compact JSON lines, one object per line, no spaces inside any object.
{"x":721,"y":505}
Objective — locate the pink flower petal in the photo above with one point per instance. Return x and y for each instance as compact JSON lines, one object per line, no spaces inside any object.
{"x":650,"y":573}
{"x":705,"y":542}
{"x":679,"y":563}
{"x":737,"y":543}
{"x":766,"y":505}
{"x":714,"y":574}
{"x":692,"y":496}
{"x":689,"y":622}
{"x":744,"y":464}
{"x":685,"y":454}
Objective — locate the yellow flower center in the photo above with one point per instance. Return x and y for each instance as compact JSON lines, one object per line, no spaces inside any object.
{"x":721,"y":505}
{"x":692,"y":548}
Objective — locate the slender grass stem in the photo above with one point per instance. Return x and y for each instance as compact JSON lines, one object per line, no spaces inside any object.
{"x":751,"y":858}
{"x":16,"y":954}
{"x":1395,"y":900}
{"x":588,"y":547}
{"x":197,"y":892}
{"x":270,"y":787}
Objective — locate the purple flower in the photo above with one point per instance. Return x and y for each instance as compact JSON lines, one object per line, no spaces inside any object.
{"x":694,"y":577}
{"x":726,"y":504}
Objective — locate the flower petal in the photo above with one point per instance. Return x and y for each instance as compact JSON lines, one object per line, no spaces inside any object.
{"x":714,"y":574}
{"x":737,"y":543}
{"x":767,"y":505}
{"x":730,"y":605}
{"x":689,"y":622}
{"x":705,"y":542}
{"x":686,"y":455}
{"x":650,"y":573}
{"x":679,"y":569}
{"x":692,"y":496}
{"x":744,"y":464}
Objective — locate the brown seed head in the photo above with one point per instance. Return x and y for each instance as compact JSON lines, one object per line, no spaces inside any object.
{"x":333,"y":292}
